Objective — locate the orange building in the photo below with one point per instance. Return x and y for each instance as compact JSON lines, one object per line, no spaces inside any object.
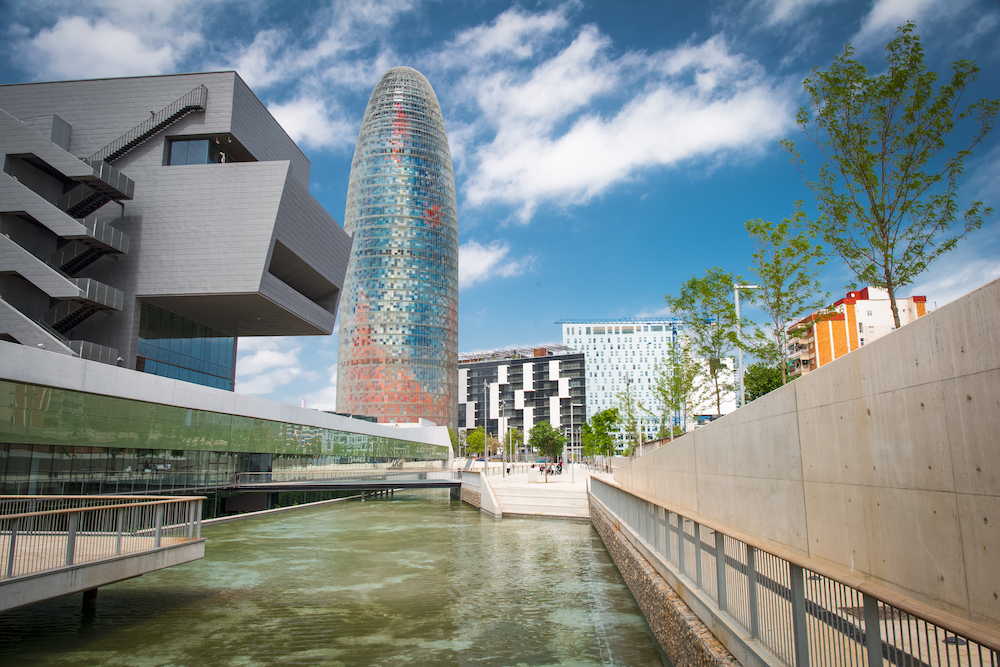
{"x":859,"y":318}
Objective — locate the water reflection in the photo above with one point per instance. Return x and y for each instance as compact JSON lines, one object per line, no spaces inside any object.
{"x":416,"y":579}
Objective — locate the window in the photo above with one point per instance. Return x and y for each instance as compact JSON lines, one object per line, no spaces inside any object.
{"x":195,"y":151}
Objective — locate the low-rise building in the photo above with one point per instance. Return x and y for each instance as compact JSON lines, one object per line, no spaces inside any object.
{"x":861,"y":317}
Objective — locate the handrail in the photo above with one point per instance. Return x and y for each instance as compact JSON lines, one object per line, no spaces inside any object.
{"x":93,"y":508}
{"x":790,"y":575}
{"x":195,"y":100}
{"x":47,"y":540}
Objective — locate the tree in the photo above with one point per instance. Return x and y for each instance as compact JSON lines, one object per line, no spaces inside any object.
{"x":674,"y":383}
{"x":492,"y":444}
{"x":762,"y":378}
{"x":785,"y":264}
{"x":629,"y":409}
{"x":475,"y":440}
{"x":513,"y":439}
{"x":547,"y":440}
{"x":706,"y":307}
{"x":887,"y":201}
{"x":596,"y":434}
{"x":453,"y":436}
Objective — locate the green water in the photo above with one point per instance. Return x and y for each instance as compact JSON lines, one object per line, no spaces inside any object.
{"x":417,"y":580}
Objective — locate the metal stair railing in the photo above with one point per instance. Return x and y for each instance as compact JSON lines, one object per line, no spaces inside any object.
{"x":195,"y":100}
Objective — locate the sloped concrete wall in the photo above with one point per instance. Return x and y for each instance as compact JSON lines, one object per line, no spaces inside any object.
{"x":884,"y":464}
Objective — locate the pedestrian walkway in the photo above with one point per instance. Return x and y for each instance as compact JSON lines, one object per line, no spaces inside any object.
{"x":563,"y":496}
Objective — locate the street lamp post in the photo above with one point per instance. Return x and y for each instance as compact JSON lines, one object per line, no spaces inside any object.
{"x":739,"y":339}
{"x":486,"y":423}
{"x":502,"y":436}
{"x":572,"y":432}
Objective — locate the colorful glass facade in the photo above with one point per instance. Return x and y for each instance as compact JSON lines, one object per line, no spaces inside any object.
{"x":398,"y":356}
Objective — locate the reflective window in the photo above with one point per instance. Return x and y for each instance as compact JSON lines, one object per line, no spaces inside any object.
{"x":399,"y":307}
{"x":195,"y":151}
{"x":181,"y":349}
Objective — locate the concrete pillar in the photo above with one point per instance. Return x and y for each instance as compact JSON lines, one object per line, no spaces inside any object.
{"x":90,"y":598}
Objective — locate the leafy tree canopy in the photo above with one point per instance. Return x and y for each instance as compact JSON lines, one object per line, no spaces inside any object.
{"x":785,"y":266}
{"x":888,"y":202}
{"x":706,"y":307}
{"x":475,"y":440}
{"x":761,"y":378}
{"x":547,"y":440}
{"x":596,"y":434}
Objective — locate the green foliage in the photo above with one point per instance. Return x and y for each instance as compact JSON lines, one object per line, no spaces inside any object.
{"x":672,"y":432}
{"x":596,"y":434}
{"x":513,"y":439}
{"x":453,"y":436}
{"x":629,"y":411}
{"x":706,"y":307}
{"x":785,"y":264}
{"x":886,"y":198}
{"x":475,"y":440}
{"x":760,"y":379}
{"x":674,"y":384}
{"x":547,"y":440}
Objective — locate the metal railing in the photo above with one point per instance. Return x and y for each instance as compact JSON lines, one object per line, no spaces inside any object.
{"x":802,"y":617}
{"x":192,"y":101}
{"x":383,"y":475}
{"x":42,"y":533}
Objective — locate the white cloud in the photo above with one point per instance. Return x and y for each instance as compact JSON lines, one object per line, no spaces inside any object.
{"x":952,"y":279}
{"x":75,"y":47}
{"x":310,"y":122}
{"x":514,"y":32}
{"x":326,"y":397}
{"x":477,"y":262}
{"x":785,"y":11}
{"x":265,"y":363}
{"x":256,"y":64}
{"x":879,"y":25}
{"x":549,"y":142}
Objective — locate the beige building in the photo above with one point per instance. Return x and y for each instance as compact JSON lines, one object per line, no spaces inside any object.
{"x":859,"y":318}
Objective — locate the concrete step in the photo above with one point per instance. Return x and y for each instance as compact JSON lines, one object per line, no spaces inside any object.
{"x":543,"y":510}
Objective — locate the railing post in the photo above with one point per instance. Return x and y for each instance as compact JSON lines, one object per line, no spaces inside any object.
{"x":720,"y":571}
{"x":158,"y":523}
{"x":681,"y":544}
{"x":697,"y":554}
{"x":752,"y":591}
{"x":119,"y":524}
{"x":667,"y":552}
{"x":873,"y":632}
{"x":800,"y":630}
{"x":190,"y":519}
{"x":197,"y":532}
{"x":74,"y":523}
{"x":656,"y":530}
{"x":13,"y":543}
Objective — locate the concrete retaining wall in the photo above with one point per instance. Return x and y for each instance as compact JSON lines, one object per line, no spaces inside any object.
{"x":687,"y":641}
{"x":884,"y":464}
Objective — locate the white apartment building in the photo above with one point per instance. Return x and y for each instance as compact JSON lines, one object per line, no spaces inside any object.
{"x":619,"y":351}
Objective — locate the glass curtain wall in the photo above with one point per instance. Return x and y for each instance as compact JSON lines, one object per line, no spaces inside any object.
{"x":181,"y":349}
{"x":398,"y":357}
{"x":64,"y":441}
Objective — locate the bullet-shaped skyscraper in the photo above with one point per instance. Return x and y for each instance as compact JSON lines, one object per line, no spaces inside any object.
{"x":398,"y":354}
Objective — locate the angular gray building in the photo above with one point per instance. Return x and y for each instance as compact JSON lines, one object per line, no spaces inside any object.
{"x":398,"y":348}
{"x":149,"y":222}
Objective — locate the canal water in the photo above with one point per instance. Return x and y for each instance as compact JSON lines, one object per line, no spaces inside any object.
{"x":416,"y":579}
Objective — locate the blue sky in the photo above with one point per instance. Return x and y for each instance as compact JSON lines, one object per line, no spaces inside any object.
{"x":604,"y":151}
